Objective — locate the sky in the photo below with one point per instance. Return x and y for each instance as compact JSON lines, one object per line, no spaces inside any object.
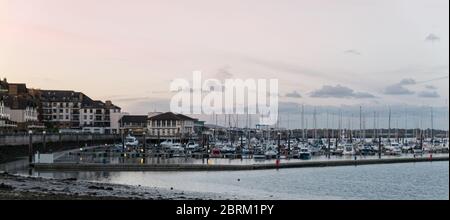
{"x":342,"y":53}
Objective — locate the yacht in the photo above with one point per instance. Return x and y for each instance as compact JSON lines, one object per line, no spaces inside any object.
{"x":393,"y":148}
{"x":191,"y":146}
{"x":349,"y":149}
{"x":417,"y":150}
{"x":304,"y":154}
{"x":271,"y":154}
{"x":131,"y":141}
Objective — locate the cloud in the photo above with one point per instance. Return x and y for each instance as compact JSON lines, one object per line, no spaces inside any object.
{"x":432,"y":38}
{"x":430,"y":87}
{"x":429,"y":94}
{"x":339,"y":91}
{"x":353,"y":52}
{"x":293,"y":94}
{"x":283,"y":66}
{"x":224,"y":73}
{"x":407,"y":81}
{"x":399,"y":88}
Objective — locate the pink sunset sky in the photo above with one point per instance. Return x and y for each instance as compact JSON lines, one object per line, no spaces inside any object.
{"x":375,"y":52}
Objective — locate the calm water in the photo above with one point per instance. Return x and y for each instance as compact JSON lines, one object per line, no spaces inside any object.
{"x":385,"y":181}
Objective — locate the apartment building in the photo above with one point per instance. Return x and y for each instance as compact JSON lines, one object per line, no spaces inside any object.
{"x":60,"y":109}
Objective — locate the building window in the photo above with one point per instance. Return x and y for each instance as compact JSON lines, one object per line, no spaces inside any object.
{"x":85,"y":110}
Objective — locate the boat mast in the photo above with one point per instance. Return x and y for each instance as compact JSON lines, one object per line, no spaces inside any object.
{"x":374,"y":125}
{"x":303,"y":123}
{"x":327,"y":127}
{"x":315,"y":124}
{"x":432,"y":127}
{"x":406,"y":126}
{"x":389,"y":126}
{"x":360,"y":124}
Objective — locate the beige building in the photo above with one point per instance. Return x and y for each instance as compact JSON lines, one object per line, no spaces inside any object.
{"x":170,"y":125}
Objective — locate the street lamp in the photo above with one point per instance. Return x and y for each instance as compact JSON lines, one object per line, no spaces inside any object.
{"x":44,"y":141}
{"x":60,"y":138}
{"x":30,"y":147}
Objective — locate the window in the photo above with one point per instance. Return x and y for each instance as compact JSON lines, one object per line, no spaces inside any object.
{"x":90,"y":110}
{"x":85,"y":110}
{"x":67,"y":117}
{"x":85,"y":117}
{"x":67,"y":110}
{"x":60,"y":117}
{"x":60,"y":110}
{"x":91,"y":117}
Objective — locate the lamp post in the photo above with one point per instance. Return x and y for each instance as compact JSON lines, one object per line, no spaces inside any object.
{"x":289,"y":143}
{"x":158,"y":146}
{"x":279,"y":145}
{"x":144,"y":146}
{"x":60,"y":138}
{"x":44,"y":142}
{"x":30,"y":147}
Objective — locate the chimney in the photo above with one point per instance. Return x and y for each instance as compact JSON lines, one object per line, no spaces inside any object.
{"x":108,"y":103}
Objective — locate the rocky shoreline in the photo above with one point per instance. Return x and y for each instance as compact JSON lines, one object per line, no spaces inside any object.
{"x":15,"y":187}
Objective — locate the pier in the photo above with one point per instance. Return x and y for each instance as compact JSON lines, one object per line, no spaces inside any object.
{"x":222,"y":167}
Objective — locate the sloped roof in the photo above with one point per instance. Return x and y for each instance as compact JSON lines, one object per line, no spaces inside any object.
{"x":134,"y":119}
{"x":18,"y":102}
{"x":171,"y":116}
{"x":61,"y":95}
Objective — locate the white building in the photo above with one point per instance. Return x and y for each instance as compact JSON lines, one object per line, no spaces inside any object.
{"x":170,"y":125}
{"x":3,"y":113}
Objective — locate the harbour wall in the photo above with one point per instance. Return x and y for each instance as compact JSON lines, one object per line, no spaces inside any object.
{"x":212,"y":167}
{"x":21,"y":140}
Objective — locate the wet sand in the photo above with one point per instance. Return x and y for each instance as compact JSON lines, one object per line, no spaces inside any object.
{"x":14,"y":187}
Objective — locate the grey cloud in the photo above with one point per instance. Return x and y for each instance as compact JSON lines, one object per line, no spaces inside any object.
{"x":429,"y":94}
{"x":339,"y":91}
{"x":432,"y":38}
{"x":431,"y":87}
{"x":224,"y":73}
{"x":293,"y":94}
{"x":399,"y":88}
{"x":352,"y":52}
{"x":407,"y":81}
{"x":282,"y":66}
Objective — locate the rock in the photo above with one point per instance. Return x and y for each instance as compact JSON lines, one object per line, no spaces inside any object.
{"x":6,"y":187}
{"x":95,"y":187}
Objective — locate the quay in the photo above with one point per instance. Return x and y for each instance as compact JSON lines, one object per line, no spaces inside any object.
{"x":222,"y":167}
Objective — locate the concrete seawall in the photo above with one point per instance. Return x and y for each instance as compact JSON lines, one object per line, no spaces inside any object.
{"x":205,"y":167}
{"x":22,"y":140}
